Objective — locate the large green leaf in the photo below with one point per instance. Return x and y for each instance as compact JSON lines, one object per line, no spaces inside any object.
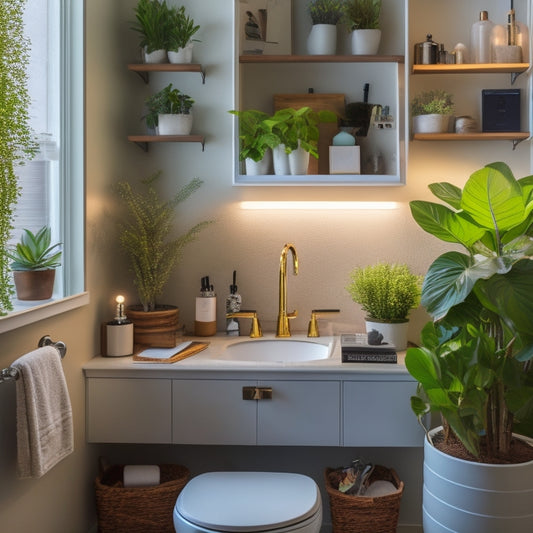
{"x":451,"y":194}
{"x":420,"y":365}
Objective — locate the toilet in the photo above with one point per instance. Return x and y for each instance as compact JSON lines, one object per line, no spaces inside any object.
{"x":222,"y":502}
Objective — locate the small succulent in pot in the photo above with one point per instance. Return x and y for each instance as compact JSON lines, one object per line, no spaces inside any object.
{"x":35,"y":251}
{"x":325,"y":11}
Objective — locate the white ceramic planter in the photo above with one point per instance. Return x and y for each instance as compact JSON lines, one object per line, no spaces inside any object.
{"x":182,"y":55}
{"x":395,"y":334}
{"x":322,"y":39}
{"x":175,"y":124}
{"x":365,"y":42}
{"x":298,"y":161}
{"x":157,"y":56}
{"x":467,"y":497}
{"x":281,"y":161}
{"x":433,"y":123}
{"x":259,"y":168}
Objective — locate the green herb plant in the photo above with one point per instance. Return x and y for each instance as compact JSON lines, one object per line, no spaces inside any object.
{"x":362,"y":14}
{"x":166,"y":101}
{"x":432,"y":102}
{"x":35,"y":251}
{"x":386,"y":291}
{"x":325,"y":11}
{"x":180,"y":30}
{"x":145,"y":235}
{"x":16,"y":137}
{"x":152,"y":22}
{"x":474,"y":362}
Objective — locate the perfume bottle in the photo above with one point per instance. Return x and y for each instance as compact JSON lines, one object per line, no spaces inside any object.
{"x":119,"y":332}
{"x":480,"y":39}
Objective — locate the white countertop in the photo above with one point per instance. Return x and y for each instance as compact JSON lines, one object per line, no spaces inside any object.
{"x":209,"y":364}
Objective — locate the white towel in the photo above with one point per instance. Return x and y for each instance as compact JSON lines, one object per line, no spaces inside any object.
{"x":44,"y":414}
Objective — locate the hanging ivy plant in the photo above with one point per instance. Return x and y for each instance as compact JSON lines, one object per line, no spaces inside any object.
{"x":16,"y":140}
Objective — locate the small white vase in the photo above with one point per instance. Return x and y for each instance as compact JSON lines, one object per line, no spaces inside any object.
{"x":175,"y":124}
{"x":395,"y":334}
{"x":157,"y":56}
{"x":365,"y":42}
{"x":259,"y":168}
{"x":281,"y":161}
{"x":182,"y":55}
{"x":322,"y":39}
{"x":433,"y":123}
{"x":298,"y":161}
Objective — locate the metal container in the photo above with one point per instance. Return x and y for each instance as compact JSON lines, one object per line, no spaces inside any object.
{"x":426,"y":53}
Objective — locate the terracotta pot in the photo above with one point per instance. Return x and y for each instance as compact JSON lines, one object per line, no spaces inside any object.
{"x":34,"y":284}
{"x":154,"y":328}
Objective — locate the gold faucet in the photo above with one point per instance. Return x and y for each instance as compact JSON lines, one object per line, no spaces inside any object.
{"x":255,"y":330}
{"x":283,"y":329}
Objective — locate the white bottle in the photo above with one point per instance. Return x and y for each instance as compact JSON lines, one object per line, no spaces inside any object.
{"x":480,"y":39}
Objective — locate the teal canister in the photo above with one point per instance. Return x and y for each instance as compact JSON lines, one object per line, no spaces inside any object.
{"x":343,"y":138}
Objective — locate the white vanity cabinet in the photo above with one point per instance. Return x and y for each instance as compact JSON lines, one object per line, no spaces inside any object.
{"x":300,"y":413}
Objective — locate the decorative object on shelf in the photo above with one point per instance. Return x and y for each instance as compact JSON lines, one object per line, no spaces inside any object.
{"x":466,"y":124}
{"x":180,"y":32}
{"x":144,"y":237}
{"x":362,"y":18}
{"x":510,"y":43}
{"x":477,"y":352}
{"x":118,"y":332}
{"x":427,"y":52}
{"x":432,"y":112}
{"x":480,"y":38}
{"x":460,"y":54}
{"x":500,"y":110}
{"x":386,"y":292}
{"x":325,"y":14}
{"x":34,"y":262}
{"x":344,"y":156}
{"x":151,"y":23}
{"x":169,"y":112}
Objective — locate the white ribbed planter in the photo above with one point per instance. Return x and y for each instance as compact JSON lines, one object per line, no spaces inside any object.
{"x":365,"y":42}
{"x":467,"y":497}
{"x":322,"y":39}
{"x":157,"y":56}
{"x":395,"y":334}
{"x":432,"y":123}
{"x":298,"y":161}
{"x":281,"y":161}
{"x":182,"y":55}
{"x":259,"y":168}
{"x":175,"y":124}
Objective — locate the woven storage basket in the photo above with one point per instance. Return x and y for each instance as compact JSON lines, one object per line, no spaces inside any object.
{"x":360,"y":514}
{"x":138,"y":510}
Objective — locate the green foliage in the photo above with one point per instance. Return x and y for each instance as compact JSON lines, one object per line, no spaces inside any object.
{"x":362,"y":14}
{"x":385,"y":291}
{"x":151,"y":23}
{"x":16,"y":138}
{"x":181,"y":29}
{"x":485,"y":295}
{"x":167,"y":101}
{"x":325,"y":11}
{"x":145,"y":235}
{"x":432,"y":102}
{"x":35,"y":251}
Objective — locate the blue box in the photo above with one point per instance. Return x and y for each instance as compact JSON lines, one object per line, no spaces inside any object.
{"x":500,"y":110}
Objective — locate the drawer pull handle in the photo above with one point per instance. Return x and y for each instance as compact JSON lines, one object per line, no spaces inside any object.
{"x":257,"y":393}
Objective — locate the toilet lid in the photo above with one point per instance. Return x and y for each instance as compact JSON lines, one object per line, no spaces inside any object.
{"x":248,"y":501}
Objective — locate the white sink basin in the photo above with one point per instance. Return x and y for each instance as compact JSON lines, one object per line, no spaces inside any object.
{"x":276,"y":350}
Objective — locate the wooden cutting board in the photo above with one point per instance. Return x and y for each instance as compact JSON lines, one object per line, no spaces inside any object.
{"x":317,"y":102}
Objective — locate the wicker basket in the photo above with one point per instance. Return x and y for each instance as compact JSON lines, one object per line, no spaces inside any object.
{"x":360,"y":514}
{"x":138,"y":510}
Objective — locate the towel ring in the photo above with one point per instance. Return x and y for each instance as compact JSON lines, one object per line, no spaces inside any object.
{"x":11,"y":373}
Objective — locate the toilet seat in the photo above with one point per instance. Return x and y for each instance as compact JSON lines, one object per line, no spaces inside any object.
{"x":249,"y":502}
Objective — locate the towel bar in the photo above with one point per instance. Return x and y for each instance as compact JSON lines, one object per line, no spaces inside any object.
{"x":10,"y":373}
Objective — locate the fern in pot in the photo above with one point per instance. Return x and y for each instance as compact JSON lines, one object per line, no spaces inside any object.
{"x":386,"y":292}
{"x":181,"y":29}
{"x":151,"y":23}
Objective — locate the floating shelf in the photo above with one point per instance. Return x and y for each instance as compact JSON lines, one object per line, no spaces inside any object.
{"x":515,"y":69}
{"x":143,"y":140}
{"x":253,"y":58}
{"x":515,"y":136}
{"x":143,"y":69}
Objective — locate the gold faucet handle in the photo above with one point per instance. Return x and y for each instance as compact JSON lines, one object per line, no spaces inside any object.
{"x":255,"y":330}
{"x":312,"y":330}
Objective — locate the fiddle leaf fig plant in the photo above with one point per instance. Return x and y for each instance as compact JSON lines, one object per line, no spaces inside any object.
{"x":474,"y":365}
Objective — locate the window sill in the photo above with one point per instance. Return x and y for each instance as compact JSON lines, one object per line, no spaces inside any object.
{"x":30,"y":315}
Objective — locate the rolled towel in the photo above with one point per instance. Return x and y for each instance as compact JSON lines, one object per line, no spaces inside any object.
{"x":141,"y":476}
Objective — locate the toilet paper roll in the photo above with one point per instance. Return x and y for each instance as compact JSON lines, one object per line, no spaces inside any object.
{"x":141,"y":475}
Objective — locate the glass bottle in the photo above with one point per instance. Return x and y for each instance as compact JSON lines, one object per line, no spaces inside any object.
{"x":480,"y":39}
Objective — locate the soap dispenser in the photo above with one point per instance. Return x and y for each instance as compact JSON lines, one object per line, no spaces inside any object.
{"x":119,"y":332}
{"x":233,"y":305}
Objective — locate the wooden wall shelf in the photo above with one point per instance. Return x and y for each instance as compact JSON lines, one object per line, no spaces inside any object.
{"x":516,"y":137}
{"x":252,"y":58}
{"x":143,"y":69}
{"x":143,"y":140}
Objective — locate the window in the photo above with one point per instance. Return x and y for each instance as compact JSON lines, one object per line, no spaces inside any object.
{"x":53,"y":183}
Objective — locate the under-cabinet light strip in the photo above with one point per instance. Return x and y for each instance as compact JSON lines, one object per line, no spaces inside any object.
{"x":319,"y":205}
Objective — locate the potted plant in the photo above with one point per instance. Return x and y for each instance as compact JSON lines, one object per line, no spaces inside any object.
{"x":169,"y":111}
{"x":362,"y":18}
{"x":34,"y":260}
{"x":386,"y":292}
{"x":325,"y":14}
{"x":256,"y":139}
{"x":16,"y":137}
{"x":152,"y":21}
{"x":181,"y":29}
{"x":474,"y":362}
{"x":145,"y":236}
{"x":432,"y":111}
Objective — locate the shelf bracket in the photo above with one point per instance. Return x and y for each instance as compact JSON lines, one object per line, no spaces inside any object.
{"x":516,"y":142}
{"x":514,"y":75}
{"x":142,"y":145}
{"x":202,"y":73}
{"x":145,"y":76}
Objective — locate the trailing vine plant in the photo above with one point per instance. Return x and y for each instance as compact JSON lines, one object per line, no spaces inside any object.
{"x":16,"y":140}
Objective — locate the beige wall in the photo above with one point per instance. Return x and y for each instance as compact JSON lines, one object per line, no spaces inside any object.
{"x":329,"y":244}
